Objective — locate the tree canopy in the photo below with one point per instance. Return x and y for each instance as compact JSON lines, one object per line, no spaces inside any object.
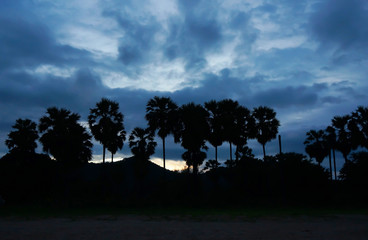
{"x":64,"y":138}
{"x":266,"y":124}
{"x":23,"y":138}
{"x":106,"y":124}
{"x":192,"y":132}
{"x":161,"y":114}
{"x":316,"y":145}
{"x":141,"y":143}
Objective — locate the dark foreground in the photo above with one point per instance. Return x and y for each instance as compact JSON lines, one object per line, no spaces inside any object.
{"x":335,"y":227}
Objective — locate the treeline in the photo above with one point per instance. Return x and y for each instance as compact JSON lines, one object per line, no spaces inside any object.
{"x":345,"y":134}
{"x":286,"y":177}
{"x":192,"y":126}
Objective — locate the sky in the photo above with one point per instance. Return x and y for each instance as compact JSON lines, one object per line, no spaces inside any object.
{"x":306,"y":59}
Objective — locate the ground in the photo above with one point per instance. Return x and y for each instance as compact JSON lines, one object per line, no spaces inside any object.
{"x":336,"y":227}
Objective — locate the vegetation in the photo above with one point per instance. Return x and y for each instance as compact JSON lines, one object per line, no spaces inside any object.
{"x":161,"y":116}
{"x":64,"y":138}
{"x":316,"y":145}
{"x":142,"y":144}
{"x":192,"y":132}
{"x":266,"y":125}
{"x":106,"y":124}
{"x":68,"y":179}
{"x":23,"y":139}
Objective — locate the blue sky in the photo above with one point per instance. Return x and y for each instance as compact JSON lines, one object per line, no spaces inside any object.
{"x":306,"y":59}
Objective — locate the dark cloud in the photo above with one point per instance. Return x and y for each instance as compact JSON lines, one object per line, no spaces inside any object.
{"x":221,"y":86}
{"x":349,"y":90}
{"x":240,"y":22}
{"x":191,"y":38}
{"x":287,"y":61}
{"x":288,"y":96}
{"x":268,"y":8}
{"x":78,"y":93}
{"x":332,"y":99}
{"x":341,"y":24}
{"x":138,"y":40}
{"x":29,"y":44}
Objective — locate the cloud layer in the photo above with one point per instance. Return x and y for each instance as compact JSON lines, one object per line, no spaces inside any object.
{"x":306,"y":59}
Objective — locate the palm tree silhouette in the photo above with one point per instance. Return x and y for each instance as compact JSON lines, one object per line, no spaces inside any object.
{"x":194,"y":158}
{"x":117,"y":142}
{"x":316,"y":145}
{"x":106,"y":124}
{"x":160,"y":114}
{"x":344,"y":139}
{"x":142,"y":144}
{"x":192,"y":131}
{"x":266,"y":125}
{"x":211,"y":164}
{"x":244,"y":129}
{"x":64,"y":138}
{"x":23,"y":139}
{"x":331,"y":143}
{"x":216,"y":128}
{"x":358,"y":126}
{"x":227,"y":108}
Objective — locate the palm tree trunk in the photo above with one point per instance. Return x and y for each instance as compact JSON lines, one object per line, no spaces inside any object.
{"x":112,"y":157}
{"x":195,"y":169}
{"x":329,"y":159}
{"x":231,"y":152}
{"x":236,"y":153}
{"x":163,"y":152}
{"x":216,"y":153}
{"x":103,"y":154}
{"x":280,"y":144}
{"x":264,"y":151}
{"x":334,"y":160}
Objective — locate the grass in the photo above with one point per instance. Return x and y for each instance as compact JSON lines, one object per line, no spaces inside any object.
{"x":193,"y":213}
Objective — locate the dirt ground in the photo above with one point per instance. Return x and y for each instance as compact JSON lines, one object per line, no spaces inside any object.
{"x":352,"y":227}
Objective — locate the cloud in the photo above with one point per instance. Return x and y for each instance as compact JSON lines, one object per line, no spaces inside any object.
{"x":193,"y":34}
{"x":287,"y":96}
{"x":29,"y":44}
{"x":138,"y":39}
{"x":30,"y":95}
{"x":291,"y":55}
{"x":332,"y":99}
{"x":341,"y":23}
{"x":23,"y":95}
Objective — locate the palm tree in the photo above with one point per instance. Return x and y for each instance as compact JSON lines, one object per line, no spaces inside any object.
{"x":358,"y":126}
{"x":344,"y":139}
{"x":117,"y":142}
{"x":331,"y":143}
{"x":316,"y":145}
{"x":106,"y":124}
{"x":244,"y":129}
{"x":192,"y":131}
{"x":194,"y":158}
{"x":211,"y":164}
{"x":64,"y":138}
{"x":160,"y":114}
{"x":266,"y":125}
{"x":216,"y":127}
{"x":227,"y":109}
{"x":23,"y":139}
{"x":142,"y":144}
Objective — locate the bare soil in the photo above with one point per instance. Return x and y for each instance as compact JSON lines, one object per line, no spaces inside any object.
{"x":337,"y":227}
